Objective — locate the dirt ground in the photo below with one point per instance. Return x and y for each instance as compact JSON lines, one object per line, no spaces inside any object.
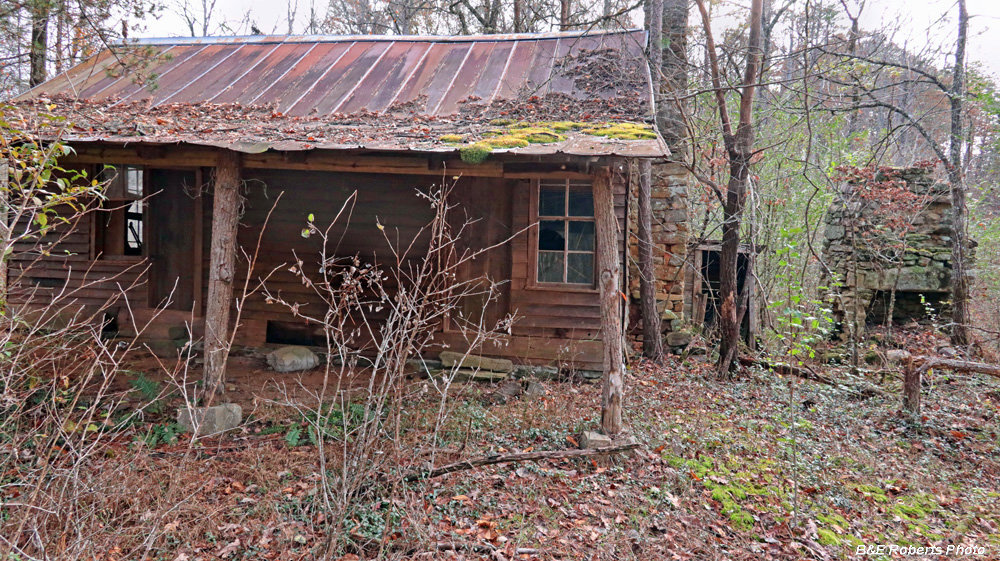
{"x":761,"y":467}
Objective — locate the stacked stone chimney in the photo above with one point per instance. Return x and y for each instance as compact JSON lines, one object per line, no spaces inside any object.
{"x":880,"y":257}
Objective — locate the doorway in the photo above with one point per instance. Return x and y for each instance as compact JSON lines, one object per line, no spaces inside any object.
{"x":174,"y":240}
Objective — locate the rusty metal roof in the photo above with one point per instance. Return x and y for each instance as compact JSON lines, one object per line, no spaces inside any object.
{"x":451,"y":84}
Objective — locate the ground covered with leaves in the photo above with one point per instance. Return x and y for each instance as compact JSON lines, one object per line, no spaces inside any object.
{"x":762,"y":467}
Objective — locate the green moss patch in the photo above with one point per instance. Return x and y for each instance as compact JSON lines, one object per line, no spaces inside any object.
{"x":827,"y":537}
{"x":623,"y":131}
{"x":530,"y":134}
{"x":513,"y":134}
{"x":833,"y":520}
{"x":872,"y":493}
{"x":477,"y":152}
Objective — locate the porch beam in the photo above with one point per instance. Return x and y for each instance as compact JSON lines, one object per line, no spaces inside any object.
{"x":225,"y":212}
{"x":609,"y":280}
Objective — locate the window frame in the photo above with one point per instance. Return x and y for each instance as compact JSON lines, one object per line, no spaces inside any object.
{"x":117,"y":212}
{"x":534,"y":251}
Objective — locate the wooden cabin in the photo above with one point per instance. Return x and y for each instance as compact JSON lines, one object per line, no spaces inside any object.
{"x":523,"y":125}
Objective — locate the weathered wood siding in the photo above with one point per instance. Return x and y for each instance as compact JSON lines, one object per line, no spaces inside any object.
{"x":362,"y":201}
{"x":60,"y":266}
{"x":554,"y":325}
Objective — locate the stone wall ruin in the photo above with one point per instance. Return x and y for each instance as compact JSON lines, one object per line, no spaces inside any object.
{"x":889,"y":231}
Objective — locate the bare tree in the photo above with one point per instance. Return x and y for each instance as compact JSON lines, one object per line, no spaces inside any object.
{"x":652,"y":338}
{"x":956,"y":176}
{"x":198,"y":17}
{"x":897,"y":81}
{"x":739,"y":151}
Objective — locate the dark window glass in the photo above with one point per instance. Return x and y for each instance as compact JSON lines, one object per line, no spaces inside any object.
{"x":581,"y":203}
{"x":133,"y":228}
{"x":550,"y":266}
{"x":551,"y":235}
{"x":566,"y":236}
{"x":580,"y":268}
{"x":581,"y":236}
{"x":552,"y":202}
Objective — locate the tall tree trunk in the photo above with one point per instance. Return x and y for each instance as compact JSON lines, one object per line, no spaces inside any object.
{"x":563,"y":15}
{"x":517,"y":16}
{"x":609,"y":271}
{"x":739,"y":150}
{"x":225,"y":214}
{"x":39,"y":41}
{"x":956,"y":176}
{"x":652,"y":332}
{"x":852,"y":49}
{"x":652,"y":337}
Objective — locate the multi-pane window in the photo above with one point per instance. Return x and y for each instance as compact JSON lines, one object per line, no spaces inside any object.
{"x":565,"y":232}
{"x":133,"y":228}
{"x":133,"y":182}
{"x":120,"y":230}
{"x":122,"y":183}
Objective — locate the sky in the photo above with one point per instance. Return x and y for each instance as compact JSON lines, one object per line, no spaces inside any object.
{"x":923,"y":21}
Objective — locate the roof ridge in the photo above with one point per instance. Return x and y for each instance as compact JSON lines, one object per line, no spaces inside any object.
{"x":268,"y":39}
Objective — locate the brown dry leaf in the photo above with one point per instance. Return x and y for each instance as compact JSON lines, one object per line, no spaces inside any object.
{"x":229,"y":549}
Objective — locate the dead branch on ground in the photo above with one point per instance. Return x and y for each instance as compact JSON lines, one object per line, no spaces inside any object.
{"x":806,"y":373}
{"x":518,"y":457}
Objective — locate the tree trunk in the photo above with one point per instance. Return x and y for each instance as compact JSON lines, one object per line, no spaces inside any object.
{"x":911,"y":388}
{"x":517,"y":16}
{"x":609,"y":271}
{"x":956,"y":176}
{"x":739,"y":149}
{"x":225,"y":212}
{"x":563,"y":15}
{"x":729,"y":322}
{"x":39,"y":41}
{"x":652,"y":338}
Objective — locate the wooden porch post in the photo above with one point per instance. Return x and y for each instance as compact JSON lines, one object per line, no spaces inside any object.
{"x":609,"y":271}
{"x":225,"y":211}
{"x":4,"y":231}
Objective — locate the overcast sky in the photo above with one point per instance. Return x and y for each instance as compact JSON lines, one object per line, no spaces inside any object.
{"x":925,"y":21}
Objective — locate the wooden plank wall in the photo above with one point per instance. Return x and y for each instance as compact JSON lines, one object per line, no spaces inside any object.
{"x":58,"y":268}
{"x":558,"y":326}
{"x":555,"y":326}
{"x":390,"y":201}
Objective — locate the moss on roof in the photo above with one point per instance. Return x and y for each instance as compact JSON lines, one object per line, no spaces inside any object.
{"x":517,"y":134}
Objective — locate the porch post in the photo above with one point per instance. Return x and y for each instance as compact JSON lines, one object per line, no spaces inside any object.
{"x":609,"y":271}
{"x":225,"y":211}
{"x":4,"y":230}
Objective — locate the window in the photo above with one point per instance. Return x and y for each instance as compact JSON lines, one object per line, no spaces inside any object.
{"x":133,"y":228}
{"x":565,"y":232}
{"x":122,"y":183}
{"x":120,"y":225}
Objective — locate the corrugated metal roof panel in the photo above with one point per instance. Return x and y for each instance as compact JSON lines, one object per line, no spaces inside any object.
{"x":339,"y":79}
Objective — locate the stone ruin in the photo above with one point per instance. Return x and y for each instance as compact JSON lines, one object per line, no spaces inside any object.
{"x":893,"y":237}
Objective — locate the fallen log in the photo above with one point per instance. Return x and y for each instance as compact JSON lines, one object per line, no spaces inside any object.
{"x":472,"y":463}
{"x":926,"y":363}
{"x":916,"y":367}
{"x":807,"y":373}
{"x":782,"y":368}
